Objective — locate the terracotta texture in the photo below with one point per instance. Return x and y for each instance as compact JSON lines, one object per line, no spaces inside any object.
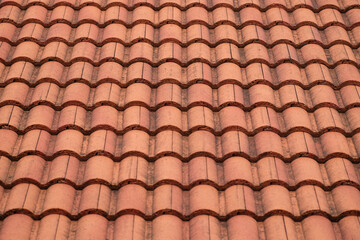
{"x":173,"y":119}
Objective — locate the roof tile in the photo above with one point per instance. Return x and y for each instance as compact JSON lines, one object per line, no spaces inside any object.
{"x":179,"y":119}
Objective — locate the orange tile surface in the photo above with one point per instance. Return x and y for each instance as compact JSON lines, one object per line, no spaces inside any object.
{"x":179,"y":120}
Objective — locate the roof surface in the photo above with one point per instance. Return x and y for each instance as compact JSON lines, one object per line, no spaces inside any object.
{"x":174,"y":120}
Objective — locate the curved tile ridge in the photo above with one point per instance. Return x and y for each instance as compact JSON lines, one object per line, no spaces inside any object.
{"x":180,"y":131}
{"x":200,"y":118}
{"x":183,"y":7}
{"x":97,"y":43}
{"x":202,"y":199}
{"x":123,"y":63}
{"x":198,"y":73}
{"x":107,"y":171}
{"x":192,"y":16}
{"x":228,"y":95}
{"x":206,"y":182}
{"x":309,"y":109}
{"x":316,"y":226}
{"x":182,"y":25}
{"x":136,"y":170}
{"x":182,"y":85}
{"x":174,"y":183}
{"x":118,"y":158}
{"x":197,"y":144}
{"x":20,"y":226}
{"x":196,"y":53}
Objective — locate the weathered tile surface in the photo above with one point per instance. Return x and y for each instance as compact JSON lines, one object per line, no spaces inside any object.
{"x":174,"y":119}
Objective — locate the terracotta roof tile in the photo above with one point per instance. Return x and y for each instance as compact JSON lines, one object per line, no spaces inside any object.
{"x":179,"y":119}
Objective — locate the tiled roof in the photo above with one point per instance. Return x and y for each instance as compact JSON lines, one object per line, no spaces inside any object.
{"x":174,"y":119}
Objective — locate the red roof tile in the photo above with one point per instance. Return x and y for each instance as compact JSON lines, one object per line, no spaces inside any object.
{"x":179,"y":119}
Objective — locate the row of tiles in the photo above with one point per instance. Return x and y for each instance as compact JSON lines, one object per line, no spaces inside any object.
{"x":273,"y":199}
{"x":198,"y":94}
{"x":166,"y":227}
{"x":169,"y":51}
{"x":227,"y":72}
{"x":97,"y":16}
{"x":198,"y":143}
{"x":166,"y":170}
{"x":172,"y":32}
{"x":169,"y":117}
{"x":342,"y":5}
